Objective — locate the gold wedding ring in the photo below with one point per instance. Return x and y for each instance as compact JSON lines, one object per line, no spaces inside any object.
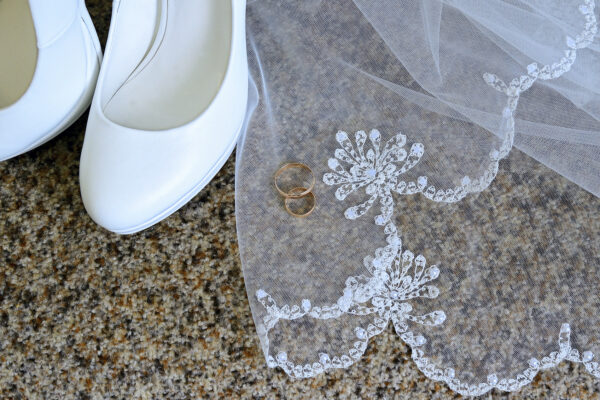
{"x":310,"y":195}
{"x":298,"y":192}
{"x":291,"y":194}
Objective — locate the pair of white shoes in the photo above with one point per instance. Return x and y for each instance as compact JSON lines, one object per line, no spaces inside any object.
{"x":168,"y":107}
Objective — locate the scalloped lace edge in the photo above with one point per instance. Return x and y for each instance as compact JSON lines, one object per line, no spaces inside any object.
{"x":376,"y":168}
{"x":447,"y":375}
{"x":390,"y":284}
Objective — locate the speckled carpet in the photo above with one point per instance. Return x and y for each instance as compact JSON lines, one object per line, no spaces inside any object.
{"x":86,"y":314}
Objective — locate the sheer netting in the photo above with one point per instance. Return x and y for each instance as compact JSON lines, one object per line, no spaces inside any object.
{"x":456,"y":146}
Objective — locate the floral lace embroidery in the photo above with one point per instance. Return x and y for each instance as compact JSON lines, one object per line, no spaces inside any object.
{"x":447,"y":375}
{"x":565,"y":352}
{"x":378,"y":171}
{"x":395,"y":276}
{"x":519,"y":85}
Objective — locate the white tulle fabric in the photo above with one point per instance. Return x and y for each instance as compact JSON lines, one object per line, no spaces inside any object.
{"x":457,"y":149}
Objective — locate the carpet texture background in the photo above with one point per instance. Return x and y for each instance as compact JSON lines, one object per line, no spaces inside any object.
{"x":87,"y":314}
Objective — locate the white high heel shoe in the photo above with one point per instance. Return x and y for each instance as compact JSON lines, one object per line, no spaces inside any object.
{"x":168,"y":109}
{"x":49,"y":61}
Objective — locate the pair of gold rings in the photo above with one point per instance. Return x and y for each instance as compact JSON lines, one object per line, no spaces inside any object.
{"x":304,"y":192}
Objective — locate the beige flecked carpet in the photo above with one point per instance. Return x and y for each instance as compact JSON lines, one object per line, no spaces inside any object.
{"x":86,"y":314}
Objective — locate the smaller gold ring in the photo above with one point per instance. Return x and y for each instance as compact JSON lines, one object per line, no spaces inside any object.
{"x":291,"y":194}
{"x":302,"y":190}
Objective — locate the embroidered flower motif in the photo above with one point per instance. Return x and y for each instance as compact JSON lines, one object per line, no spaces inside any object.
{"x":376,"y":169}
{"x":396,"y":277}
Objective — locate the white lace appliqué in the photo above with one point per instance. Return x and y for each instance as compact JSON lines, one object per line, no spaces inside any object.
{"x":394,"y":277}
{"x":518,"y":85}
{"x":377,"y":169}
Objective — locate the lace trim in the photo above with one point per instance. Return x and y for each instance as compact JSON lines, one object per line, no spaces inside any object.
{"x":377,"y":170}
{"x":565,"y":352}
{"x":395,"y":276}
{"x":447,"y":375}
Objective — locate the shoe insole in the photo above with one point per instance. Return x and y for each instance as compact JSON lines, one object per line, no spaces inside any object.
{"x":167,"y":61}
{"x":18,"y":50}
